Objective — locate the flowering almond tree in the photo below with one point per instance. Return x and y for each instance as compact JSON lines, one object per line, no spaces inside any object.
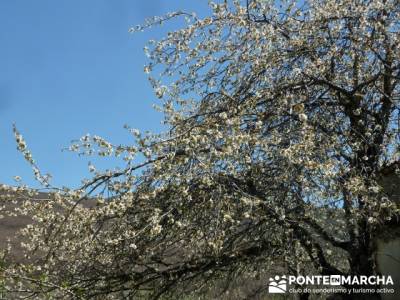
{"x":283,"y":123}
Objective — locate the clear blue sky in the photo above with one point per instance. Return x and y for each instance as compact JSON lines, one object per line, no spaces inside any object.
{"x":70,"y":67}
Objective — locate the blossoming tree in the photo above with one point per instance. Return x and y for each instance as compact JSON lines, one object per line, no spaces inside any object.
{"x":283,"y":119}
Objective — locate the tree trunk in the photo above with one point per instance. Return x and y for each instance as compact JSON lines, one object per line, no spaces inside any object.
{"x":363,"y":266}
{"x":381,"y":254}
{"x":386,"y":244}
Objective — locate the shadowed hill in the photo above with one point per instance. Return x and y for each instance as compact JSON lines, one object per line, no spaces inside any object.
{"x":10,"y":226}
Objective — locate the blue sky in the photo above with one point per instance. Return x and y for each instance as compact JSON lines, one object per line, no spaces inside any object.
{"x":70,"y":67}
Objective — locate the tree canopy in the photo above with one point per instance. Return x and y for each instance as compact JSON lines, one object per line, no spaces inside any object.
{"x":283,"y":118}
